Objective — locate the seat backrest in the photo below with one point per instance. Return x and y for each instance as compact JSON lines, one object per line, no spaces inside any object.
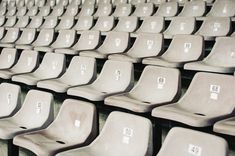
{"x":89,"y":2}
{"x":27,"y":62}
{"x":103,"y":10}
{"x":30,"y":3}
{"x":32,"y":11}
{"x":3,"y":11}
{"x":135,"y":2}
{"x":181,"y":25}
{"x":40,"y":3}
{"x":124,"y":132}
{"x":10,"y":95}
{"x":75,"y":2}
{"x":63,"y":3}
{"x":143,"y":10}
{"x":158,"y":85}
{"x":194,"y":9}
{"x":127,"y":24}
{"x":225,"y":8}
{"x":115,"y":42}
{"x":7,"y":57}
{"x":11,"y":35}
{"x":104,"y":1}
{"x":104,"y":23}
{"x":11,"y":3}
{"x":22,"y":22}
{"x":36,"y":111}
{"x":122,"y":10}
{"x":87,"y":10}
{"x":50,"y":22}
{"x":118,"y":74}
{"x":11,"y":21}
{"x":51,"y":66}
{"x":216,"y":94}
{"x":185,"y":48}
{"x":57,"y":11}
{"x":119,"y":2}
{"x":169,"y":9}
{"x":44,"y":11}
{"x":11,"y":11}
{"x":20,"y":3}
{"x":66,"y":22}
{"x":2,"y":20}
{"x":157,"y":2}
{"x":185,"y":142}
{"x":152,"y":24}
{"x":81,"y":70}
{"x":88,"y":40}
{"x":51,"y":3}
{"x":84,"y":23}
{"x":72,"y":10}
{"x":65,"y":39}
{"x":27,"y":36}
{"x":45,"y":37}
{"x":21,"y":11}
{"x":2,"y":32}
{"x":36,"y":22}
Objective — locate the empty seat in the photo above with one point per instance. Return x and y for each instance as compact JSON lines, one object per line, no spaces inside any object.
{"x":10,"y":99}
{"x":11,"y":3}
{"x":194,"y":9}
{"x":40,"y":3}
{"x":225,"y":126}
{"x":81,"y":71}
{"x":104,"y":1}
{"x":115,"y":42}
{"x":66,"y":22}
{"x":3,"y":11}
{"x":169,"y":9}
{"x":11,"y":11}
{"x":20,"y":3}
{"x":145,"y":45}
{"x":81,"y":129}
{"x":26,"y":63}
{"x":75,"y":3}
{"x":213,"y":27}
{"x":157,"y":2}
{"x":44,"y":11}
{"x":36,"y":113}
{"x":35,"y":22}
{"x":3,"y":3}
{"x":51,"y":67}
{"x":180,"y":25}
{"x":89,"y":2}
{"x":103,"y":10}
{"x":32,"y":11}
{"x":104,"y":24}
{"x":119,"y":2}
{"x":2,"y":32}
{"x":130,"y":135}
{"x":157,"y":86}
{"x":2,"y":20}
{"x":26,"y":38}
{"x":51,"y":3}
{"x":22,"y":22}
{"x":122,"y":10}
{"x":127,"y":24}
{"x":72,"y":10}
{"x":11,"y":21}
{"x":87,"y":10}
{"x":11,"y":36}
{"x":184,"y":142}
{"x":136,"y":2}
{"x":21,"y":11}
{"x":62,"y":3}
{"x":57,"y":11}
{"x":88,"y":40}
{"x":44,"y":39}
{"x":84,"y":23}
{"x":183,"y":49}
{"x":50,"y":22}
{"x":30,"y":3}
{"x":143,"y":10}
{"x":220,"y":60}
{"x":7,"y":58}
{"x":115,"y":77}
{"x":215,"y":102}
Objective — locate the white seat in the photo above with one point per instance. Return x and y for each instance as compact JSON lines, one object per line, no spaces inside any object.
{"x":27,"y":37}
{"x":44,"y":39}
{"x":44,"y":11}
{"x":9,"y":39}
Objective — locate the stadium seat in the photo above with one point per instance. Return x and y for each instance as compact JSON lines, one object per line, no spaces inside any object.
{"x":40,"y":3}
{"x":215,"y":102}
{"x":9,"y":39}
{"x":26,"y":63}
{"x":225,"y":126}
{"x":220,"y":59}
{"x":72,"y":10}
{"x":122,"y":133}
{"x":157,"y":2}
{"x":104,"y":24}
{"x":7,"y":58}
{"x":27,"y":37}
{"x":146,"y":45}
{"x":143,"y":10}
{"x":185,"y":142}
{"x":44,"y":11}
{"x":118,"y":74}
{"x":11,"y":21}
{"x":11,"y":11}
{"x":21,"y":11}
{"x":169,"y":9}
{"x":115,"y":42}
{"x":20,"y":3}
{"x":30,"y":3}
{"x":22,"y":22}
{"x":104,"y":1}
{"x":36,"y":113}
{"x":35,"y":22}
{"x":157,"y":86}
{"x":87,"y":10}
{"x":51,"y":67}
{"x":122,"y":10}
{"x":3,"y":11}
{"x":77,"y":118}
{"x":119,"y":2}
{"x":183,"y":49}
{"x":51,"y":3}
{"x":81,"y":71}
{"x":33,"y":11}
{"x":66,"y":22}
{"x":75,"y":3}
{"x":135,"y":2}
{"x":57,"y":11}
{"x":84,"y":23}
{"x":11,"y":3}
{"x":44,"y":40}
{"x":63,"y":3}
{"x":89,"y":2}
{"x":127,"y":24}
{"x":50,"y":22}
{"x":2,"y":20}
{"x":103,"y":10}
{"x":180,"y":25}
{"x":194,"y":9}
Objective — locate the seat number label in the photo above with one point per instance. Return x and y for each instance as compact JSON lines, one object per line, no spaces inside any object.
{"x":127,"y":134}
{"x":194,"y":150}
{"x":215,"y":90}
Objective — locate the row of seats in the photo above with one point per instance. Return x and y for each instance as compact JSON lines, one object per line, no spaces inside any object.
{"x":225,"y":8}
{"x":33,"y":127}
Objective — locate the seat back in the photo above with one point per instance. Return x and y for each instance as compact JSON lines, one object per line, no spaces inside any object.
{"x":119,"y":2}
{"x":45,"y":38}
{"x":87,"y":10}
{"x":194,"y":9}
{"x":122,"y":10}
{"x":75,"y":3}
{"x":57,"y":11}
{"x":30,"y":3}
{"x":152,"y":24}
{"x":72,"y":10}
{"x":104,"y":23}
{"x":50,"y":22}
{"x":184,"y":142}
{"x":143,"y":10}
{"x":36,"y":22}
{"x":27,"y":36}
{"x":51,"y":3}
{"x":11,"y":35}
{"x":7,"y":58}
{"x":63,"y":3}
{"x":65,"y":39}
{"x":66,"y":22}
{"x":21,"y":11}
{"x":11,"y":3}
{"x":40,"y":3}
{"x":84,"y":23}
{"x":22,"y":22}
{"x":136,"y":2}
{"x":11,"y":11}
{"x":44,"y":11}
{"x":103,"y":10}
{"x":11,"y":21}
{"x":169,"y":9}
{"x":225,"y":8}
{"x":20,"y":3}
{"x":32,"y":11}
{"x":127,"y":24}
{"x":157,"y":2}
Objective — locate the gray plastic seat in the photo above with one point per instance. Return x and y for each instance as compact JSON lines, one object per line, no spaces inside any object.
{"x":50,"y":22}
{"x":44,"y":11}
{"x":104,"y":1}
{"x":127,"y":24}
{"x":21,"y":11}
{"x":57,"y":11}
{"x":136,"y":2}
{"x":193,"y":9}
{"x":143,"y":10}
{"x":131,"y":135}
{"x":103,"y":10}
{"x":51,"y":3}
{"x":87,"y":10}
{"x":115,"y":77}
{"x":62,"y":3}
{"x":51,"y":67}
{"x":11,"y":11}
{"x":185,"y":142}
{"x":213,"y":27}
{"x":7,"y":58}
{"x":88,"y":40}
{"x":122,"y":10}
{"x":81,"y":129}
{"x":84,"y":23}
{"x":169,"y":9}
{"x":20,"y":3}
{"x":26,"y":63}
{"x":180,"y":25}
{"x":9,"y":39}
{"x":2,"y":32}
{"x":10,"y":99}
{"x":35,"y":22}
{"x":89,"y":2}
{"x":119,"y":2}
{"x":11,"y":21}
{"x":22,"y":22}
{"x":81,"y":71}
{"x":157,"y":86}
{"x":145,"y":45}
{"x":183,"y":49}
{"x":215,"y":102}
{"x":40,"y":3}
{"x":72,"y":10}
{"x":225,"y":126}
{"x":115,"y":42}
{"x":104,"y":24}
{"x":11,"y":3}
{"x":30,"y":3}
{"x":44,"y":40}
{"x":4,"y":3}
{"x":75,"y":3}
{"x":66,"y":22}
{"x":157,"y":2}
{"x":36,"y":113}
{"x":27,"y":37}
{"x":2,"y":20}
{"x":3,"y":11}
{"x":33,"y":11}
{"x":220,"y":59}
